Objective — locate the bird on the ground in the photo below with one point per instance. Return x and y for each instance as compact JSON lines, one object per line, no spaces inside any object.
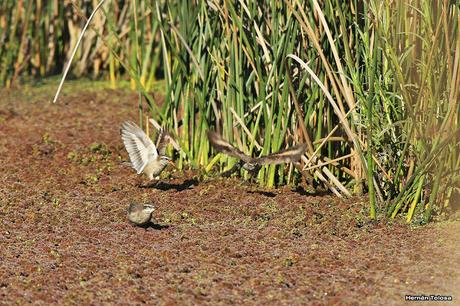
{"x":145,"y":156}
{"x":253,"y":164}
{"x":140,"y":214}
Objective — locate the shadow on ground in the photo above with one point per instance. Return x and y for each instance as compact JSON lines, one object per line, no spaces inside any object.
{"x":64,"y":236}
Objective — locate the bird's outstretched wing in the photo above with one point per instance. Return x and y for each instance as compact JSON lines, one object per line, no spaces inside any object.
{"x":140,"y":148}
{"x":223,"y":146}
{"x":289,"y":155}
{"x":163,"y":138}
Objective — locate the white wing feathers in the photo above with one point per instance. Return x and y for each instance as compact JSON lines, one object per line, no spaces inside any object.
{"x":140,"y":148}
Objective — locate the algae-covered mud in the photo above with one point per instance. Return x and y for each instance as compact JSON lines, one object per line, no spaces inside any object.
{"x":64,"y":235}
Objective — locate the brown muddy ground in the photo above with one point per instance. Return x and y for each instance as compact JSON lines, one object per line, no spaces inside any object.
{"x":64,"y":237}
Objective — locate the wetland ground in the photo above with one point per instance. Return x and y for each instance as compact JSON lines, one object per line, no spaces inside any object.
{"x":65,"y":239}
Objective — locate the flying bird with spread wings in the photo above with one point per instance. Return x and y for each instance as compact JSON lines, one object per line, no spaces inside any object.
{"x":145,"y":156}
{"x":253,"y":164}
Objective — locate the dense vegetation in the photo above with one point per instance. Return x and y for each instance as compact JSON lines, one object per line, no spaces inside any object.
{"x":372,"y":87}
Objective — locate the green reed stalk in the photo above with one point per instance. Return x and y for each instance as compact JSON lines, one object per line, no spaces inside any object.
{"x":270,"y":74}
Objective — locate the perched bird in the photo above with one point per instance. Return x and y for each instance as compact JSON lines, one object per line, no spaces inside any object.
{"x":145,"y":156}
{"x":253,"y":164}
{"x":140,"y":214}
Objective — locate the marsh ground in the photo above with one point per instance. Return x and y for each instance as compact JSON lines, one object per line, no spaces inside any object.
{"x":64,"y":236}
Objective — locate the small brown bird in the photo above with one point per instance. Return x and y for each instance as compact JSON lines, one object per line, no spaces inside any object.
{"x":253,"y":164}
{"x":145,"y":156}
{"x":140,"y":214}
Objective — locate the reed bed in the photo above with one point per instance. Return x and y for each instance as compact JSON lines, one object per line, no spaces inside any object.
{"x":370,"y":86}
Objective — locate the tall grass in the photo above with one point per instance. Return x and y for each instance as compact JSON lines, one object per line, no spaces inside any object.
{"x":421,"y":49}
{"x":37,"y":38}
{"x":371,"y":87}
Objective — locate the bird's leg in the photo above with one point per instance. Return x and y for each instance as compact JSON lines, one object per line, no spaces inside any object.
{"x":150,"y":184}
{"x":155,"y":183}
{"x":232,"y":170}
{"x":253,"y":170}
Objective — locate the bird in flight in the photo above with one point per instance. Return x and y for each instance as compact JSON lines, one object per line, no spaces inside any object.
{"x":145,"y":156}
{"x":253,"y":164}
